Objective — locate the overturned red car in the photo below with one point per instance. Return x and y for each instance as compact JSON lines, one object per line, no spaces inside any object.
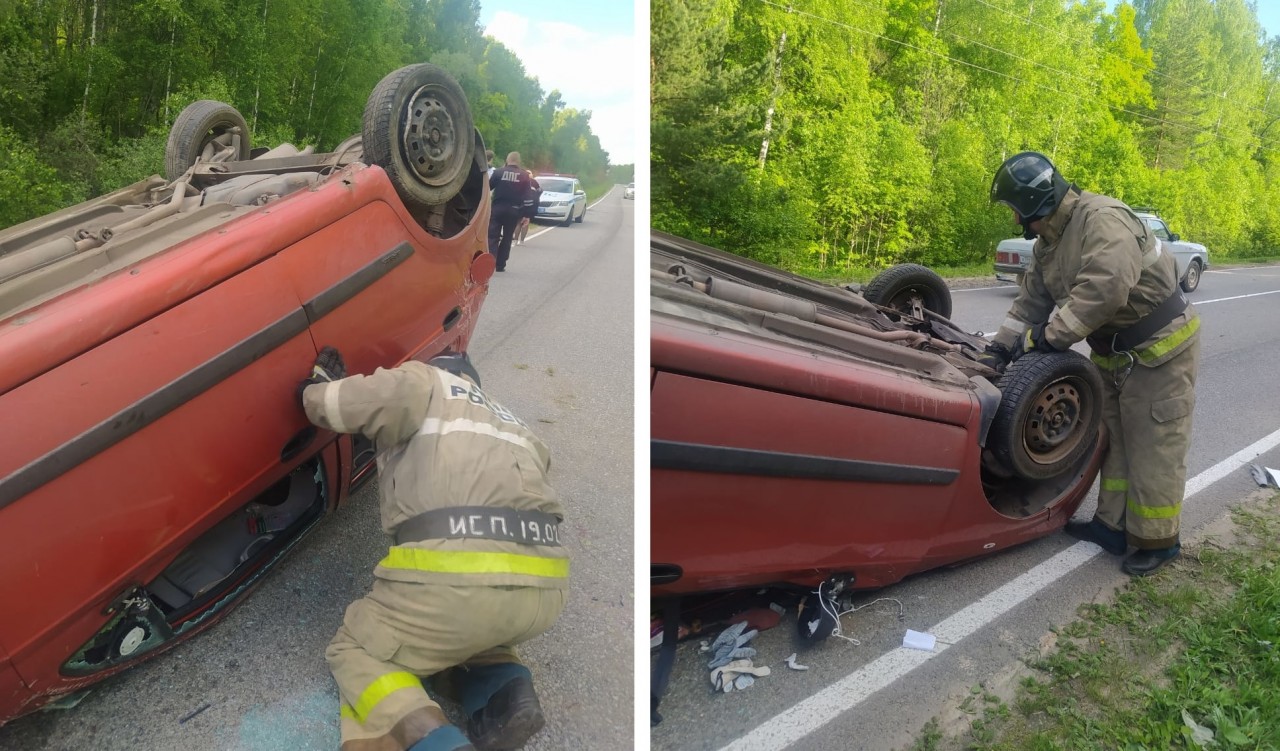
{"x":807,"y":435}
{"x":154,"y":463}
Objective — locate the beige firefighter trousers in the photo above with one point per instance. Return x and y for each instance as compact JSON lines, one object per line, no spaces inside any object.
{"x":404,"y":631}
{"x":1144,"y":474}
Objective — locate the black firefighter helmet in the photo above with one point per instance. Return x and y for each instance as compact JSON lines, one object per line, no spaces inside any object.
{"x":1029,"y":184}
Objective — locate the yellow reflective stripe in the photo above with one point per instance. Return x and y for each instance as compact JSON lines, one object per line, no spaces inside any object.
{"x":1108,"y":362}
{"x":473,"y":562}
{"x":381,"y":689}
{"x":1154,"y":512}
{"x":346,"y":711}
{"x":1167,"y":344}
{"x":1115,"y":484}
{"x":1157,"y":350}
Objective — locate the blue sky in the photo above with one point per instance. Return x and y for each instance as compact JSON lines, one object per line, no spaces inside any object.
{"x":587,"y":50}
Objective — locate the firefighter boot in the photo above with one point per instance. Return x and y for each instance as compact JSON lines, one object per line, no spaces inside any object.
{"x":503,"y":709}
{"x":1111,"y":540}
{"x":1144,"y":562}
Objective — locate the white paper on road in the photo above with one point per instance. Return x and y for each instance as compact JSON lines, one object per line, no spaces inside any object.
{"x":919,"y":640}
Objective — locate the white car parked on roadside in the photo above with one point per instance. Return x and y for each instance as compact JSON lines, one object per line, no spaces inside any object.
{"x":563,"y":199}
{"x":1191,"y":259}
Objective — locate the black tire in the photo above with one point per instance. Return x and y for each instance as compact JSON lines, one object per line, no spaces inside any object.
{"x":897,"y":286}
{"x":1191,"y":279}
{"x":417,"y":126}
{"x":1049,"y":416}
{"x":583,"y":215}
{"x":198,"y":126}
{"x":568,"y":218}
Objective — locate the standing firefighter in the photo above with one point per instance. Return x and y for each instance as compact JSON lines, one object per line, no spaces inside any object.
{"x":1115,"y":286}
{"x":476,"y":567}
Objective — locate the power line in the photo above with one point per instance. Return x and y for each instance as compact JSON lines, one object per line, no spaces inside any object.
{"x":791,"y":9}
{"x":1019,"y":57}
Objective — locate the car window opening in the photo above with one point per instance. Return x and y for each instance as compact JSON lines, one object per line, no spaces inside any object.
{"x":203,"y":578}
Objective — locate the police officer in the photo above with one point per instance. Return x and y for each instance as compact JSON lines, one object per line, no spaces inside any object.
{"x":510,"y":187}
{"x":1114,"y":285}
{"x":476,"y":568}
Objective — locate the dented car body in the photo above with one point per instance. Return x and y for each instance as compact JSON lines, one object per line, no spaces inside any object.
{"x":154,"y":461}
{"x":802,"y":434}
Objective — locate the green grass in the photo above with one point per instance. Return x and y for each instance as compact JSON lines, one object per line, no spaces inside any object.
{"x":594,"y":192}
{"x":1200,"y":638}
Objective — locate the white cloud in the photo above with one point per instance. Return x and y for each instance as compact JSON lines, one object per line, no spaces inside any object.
{"x":591,"y":70}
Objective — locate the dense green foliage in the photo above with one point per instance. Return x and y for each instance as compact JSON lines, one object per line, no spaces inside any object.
{"x":89,"y":88}
{"x":884,"y":121}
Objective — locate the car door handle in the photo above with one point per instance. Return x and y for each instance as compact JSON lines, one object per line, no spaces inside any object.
{"x":454,"y":316}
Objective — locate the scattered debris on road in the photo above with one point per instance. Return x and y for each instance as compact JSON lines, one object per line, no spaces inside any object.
{"x":1265,"y":476}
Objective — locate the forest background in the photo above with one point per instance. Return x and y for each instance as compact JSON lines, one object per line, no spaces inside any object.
{"x":828,"y":136}
{"x":89,"y":88}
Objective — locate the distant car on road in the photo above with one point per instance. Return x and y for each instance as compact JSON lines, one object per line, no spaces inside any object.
{"x":1013,"y":255}
{"x":629,"y":191}
{"x":563,"y":199}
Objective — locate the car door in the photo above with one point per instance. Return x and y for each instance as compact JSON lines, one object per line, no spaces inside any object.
{"x":120,"y":457}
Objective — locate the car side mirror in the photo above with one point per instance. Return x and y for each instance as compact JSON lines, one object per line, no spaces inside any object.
{"x":1173,"y":236}
{"x":579,"y":192}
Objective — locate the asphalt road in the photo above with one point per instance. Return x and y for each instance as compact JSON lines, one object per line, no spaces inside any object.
{"x":554,"y":344}
{"x":992,"y":614}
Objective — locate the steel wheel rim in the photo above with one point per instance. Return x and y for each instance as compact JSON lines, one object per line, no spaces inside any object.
{"x":1193,"y":276}
{"x":1052,"y":430}
{"x":430,"y":136}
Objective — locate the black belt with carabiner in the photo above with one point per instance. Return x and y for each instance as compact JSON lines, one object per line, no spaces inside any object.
{"x":481,"y":522}
{"x":1128,"y":339}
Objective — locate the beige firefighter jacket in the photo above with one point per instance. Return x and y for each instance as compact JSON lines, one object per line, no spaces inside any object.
{"x":1104,"y":270}
{"x":442,"y":442}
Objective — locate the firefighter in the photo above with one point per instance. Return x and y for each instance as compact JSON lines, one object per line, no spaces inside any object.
{"x":1115,"y":286}
{"x":511,"y":186}
{"x":476,"y":567}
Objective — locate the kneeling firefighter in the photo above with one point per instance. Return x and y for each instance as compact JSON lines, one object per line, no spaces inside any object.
{"x":476,"y":568}
{"x":1114,"y":285}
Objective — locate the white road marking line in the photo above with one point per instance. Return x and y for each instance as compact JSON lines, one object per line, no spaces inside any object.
{"x":808,"y":715}
{"x":980,"y":289}
{"x":548,"y":229}
{"x":1198,"y":303}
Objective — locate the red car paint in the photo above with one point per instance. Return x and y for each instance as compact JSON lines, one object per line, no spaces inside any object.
{"x":125,"y":437}
{"x":744,"y":428}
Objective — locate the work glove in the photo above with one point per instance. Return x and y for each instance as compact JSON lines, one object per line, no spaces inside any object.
{"x":1033,"y":341}
{"x":996,"y":356}
{"x":327,"y":367}
{"x":732,"y":645}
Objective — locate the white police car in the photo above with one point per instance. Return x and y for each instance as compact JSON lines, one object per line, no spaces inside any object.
{"x":563,"y":199}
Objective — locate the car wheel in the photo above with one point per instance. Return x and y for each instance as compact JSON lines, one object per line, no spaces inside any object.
{"x":1049,"y":415}
{"x":418,"y":127}
{"x":204,"y":127}
{"x":1191,"y":279}
{"x":904,"y":286}
{"x":568,"y":217}
{"x":583,"y":215}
